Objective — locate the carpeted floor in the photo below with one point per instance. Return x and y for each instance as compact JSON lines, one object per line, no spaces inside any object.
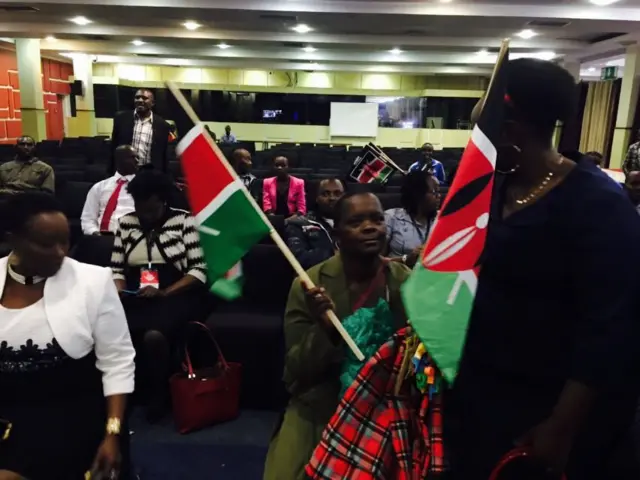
{"x":230,"y":451}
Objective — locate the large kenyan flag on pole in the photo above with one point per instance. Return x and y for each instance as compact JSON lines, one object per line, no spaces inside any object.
{"x":438,"y":296}
{"x":227,"y":219}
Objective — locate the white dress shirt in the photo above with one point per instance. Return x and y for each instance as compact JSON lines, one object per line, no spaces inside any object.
{"x":142,"y":137}
{"x":96,"y":203}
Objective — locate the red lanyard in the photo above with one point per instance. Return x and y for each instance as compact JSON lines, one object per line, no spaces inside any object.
{"x":362,"y":299}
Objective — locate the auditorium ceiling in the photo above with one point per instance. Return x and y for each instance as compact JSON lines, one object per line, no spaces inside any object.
{"x":430,"y":36}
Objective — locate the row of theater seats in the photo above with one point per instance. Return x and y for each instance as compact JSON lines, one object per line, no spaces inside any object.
{"x":248,"y":330}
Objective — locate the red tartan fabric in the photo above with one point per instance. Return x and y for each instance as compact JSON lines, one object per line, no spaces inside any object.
{"x":377,"y":435}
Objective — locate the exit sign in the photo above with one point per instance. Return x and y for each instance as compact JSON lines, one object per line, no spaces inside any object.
{"x":609,"y":73}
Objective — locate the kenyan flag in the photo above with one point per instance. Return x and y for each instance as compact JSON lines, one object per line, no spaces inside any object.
{"x":227,"y":218}
{"x":371,"y":167}
{"x":439,"y":295}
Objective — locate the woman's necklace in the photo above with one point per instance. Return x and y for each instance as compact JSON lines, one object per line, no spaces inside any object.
{"x":535,"y":192}
{"x":24,"y":280}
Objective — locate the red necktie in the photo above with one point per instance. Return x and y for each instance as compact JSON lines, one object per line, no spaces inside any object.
{"x":111,"y":206}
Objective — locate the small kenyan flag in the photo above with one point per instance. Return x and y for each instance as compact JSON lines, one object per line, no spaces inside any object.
{"x":227,"y":219}
{"x":372,"y":167}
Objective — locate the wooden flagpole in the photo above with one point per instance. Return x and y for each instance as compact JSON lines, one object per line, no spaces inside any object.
{"x":275,"y":236}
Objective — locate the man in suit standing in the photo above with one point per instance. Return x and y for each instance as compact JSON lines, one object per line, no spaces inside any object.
{"x":145,"y":131}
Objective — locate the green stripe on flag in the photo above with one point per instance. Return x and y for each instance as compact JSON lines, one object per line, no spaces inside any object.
{"x":441,"y":326}
{"x":229,"y":231}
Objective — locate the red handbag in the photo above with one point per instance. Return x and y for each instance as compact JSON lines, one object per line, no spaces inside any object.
{"x":510,"y":457}
{"x":205,"y":396}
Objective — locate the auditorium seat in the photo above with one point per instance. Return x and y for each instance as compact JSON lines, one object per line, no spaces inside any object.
{"x":93,"y":249}
{"x":249,"y":330}
{"x":389,"y":200}
{"x":72,"y":195}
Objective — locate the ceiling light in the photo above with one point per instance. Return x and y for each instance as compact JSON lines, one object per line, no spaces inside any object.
{"x":309,"y":49}
{"x":223,"y":46}
{"x":313,"y":65}
{"x":446,"y":1}
{"x":482,"y":53}
{"x":547,"y":55}
{"x":302,"y":28}
{"x":603,"y":3}
{"x":395,"y":51}
{"x":591,"y":69}
{"x":526,"y":34}
{"x":51,"y":38}
{"x":191,"y":25}
{"x":137,"y":42}
{"x":80,"y":20}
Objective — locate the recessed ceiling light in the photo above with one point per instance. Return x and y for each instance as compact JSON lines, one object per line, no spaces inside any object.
{"x":191,"y":25}
{"x":591,"y":69}
{"x":446,"y":1}
{"x":395,"y":51}
{"x":223,"y":46}
{"x":546,"y":55}
{"x":137,"y":42}
{"x":603,"y":3}
{"x":526,"y":34}
{"x":482,"y":53}
{"x":309,"y":49}
{"x":314,"y":65}
{"x":80,"y":20}
{"x":51,"y":38}
{"x":302,"y":28}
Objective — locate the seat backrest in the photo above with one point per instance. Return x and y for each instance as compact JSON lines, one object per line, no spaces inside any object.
{"x":389,"y":200}
{"x":267,"y":276}
{"x":73,"y":196}
{"x":94,"y":249}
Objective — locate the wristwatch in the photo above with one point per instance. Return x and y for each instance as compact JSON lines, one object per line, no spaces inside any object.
{"x":113,"y":426}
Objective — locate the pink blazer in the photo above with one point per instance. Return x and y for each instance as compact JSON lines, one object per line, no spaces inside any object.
{"x":296,"y":200}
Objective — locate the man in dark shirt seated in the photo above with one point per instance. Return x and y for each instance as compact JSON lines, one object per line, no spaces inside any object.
{"x":26,"y":172}
{"x":310,"y":238}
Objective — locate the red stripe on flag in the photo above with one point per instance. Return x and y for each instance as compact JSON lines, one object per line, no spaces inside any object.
{"x":464,"y":253}
{"x":205,"y":173}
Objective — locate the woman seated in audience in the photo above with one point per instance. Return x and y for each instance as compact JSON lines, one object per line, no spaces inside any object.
{"x":551,"y":355}
{"x":357,"y":277}
{"x":409,"y":226}
{"x":66,"y":358}
{"x":159,"y":270}
{"x":283,"y":194}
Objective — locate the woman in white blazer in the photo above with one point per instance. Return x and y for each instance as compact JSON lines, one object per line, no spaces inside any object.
{"x":64,"y":347}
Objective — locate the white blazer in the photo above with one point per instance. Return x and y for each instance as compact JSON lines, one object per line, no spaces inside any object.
{"x":85,"y":313}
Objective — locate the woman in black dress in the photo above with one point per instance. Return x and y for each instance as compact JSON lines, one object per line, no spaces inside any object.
{"x":64,"y":347}
{"x":159,"y":270}
{"x":550,"y":361}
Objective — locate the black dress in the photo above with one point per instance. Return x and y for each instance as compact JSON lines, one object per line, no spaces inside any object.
{"x":557,"y":299}
{"x":57,"y":410}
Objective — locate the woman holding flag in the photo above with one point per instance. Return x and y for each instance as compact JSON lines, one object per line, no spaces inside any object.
{"x":550,"y":361}
{"x":354,"y":283}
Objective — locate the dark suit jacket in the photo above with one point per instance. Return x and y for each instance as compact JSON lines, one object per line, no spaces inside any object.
{"x":123,"y":135}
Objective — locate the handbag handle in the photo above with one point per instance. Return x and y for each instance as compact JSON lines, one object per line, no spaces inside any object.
{"x":510,"y":457}
{"x":202,"y":326}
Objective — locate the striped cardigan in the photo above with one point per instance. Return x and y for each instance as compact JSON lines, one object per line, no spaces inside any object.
{"x":177,"y":241}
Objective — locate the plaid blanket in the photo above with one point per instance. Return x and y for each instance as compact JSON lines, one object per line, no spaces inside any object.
{"x":377,"y":435}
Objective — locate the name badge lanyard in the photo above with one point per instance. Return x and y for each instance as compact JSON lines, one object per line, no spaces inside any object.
{"x":151,"y":240}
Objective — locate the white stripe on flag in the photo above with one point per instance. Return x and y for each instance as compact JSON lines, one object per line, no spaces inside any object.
{"x":189,"y":138}
{"x":217,"y":202}
{"x":483,"y":143}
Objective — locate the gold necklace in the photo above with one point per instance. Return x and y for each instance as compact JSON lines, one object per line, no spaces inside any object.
{"x":539,"y":189}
